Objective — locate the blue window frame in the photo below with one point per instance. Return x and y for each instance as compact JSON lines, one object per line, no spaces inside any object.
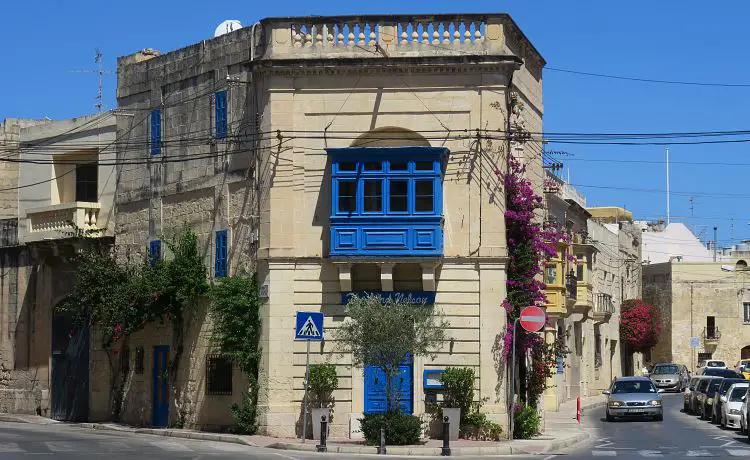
{"x":220,"y":264}
{"x":155,"y":132}
{"x":154,"y":252}
{"x":220,"y":107}
{"x":386,"y":201}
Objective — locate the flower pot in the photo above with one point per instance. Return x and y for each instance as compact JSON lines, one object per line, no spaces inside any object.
{"x":454,"y":418}
{"x":317,"y":415}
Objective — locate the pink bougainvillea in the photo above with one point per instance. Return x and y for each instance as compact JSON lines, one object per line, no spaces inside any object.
{"x":640,"y":324}
{"x":530,"y":243}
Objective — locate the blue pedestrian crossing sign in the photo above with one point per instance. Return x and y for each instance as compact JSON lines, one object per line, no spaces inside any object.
{"x":309,"y":326}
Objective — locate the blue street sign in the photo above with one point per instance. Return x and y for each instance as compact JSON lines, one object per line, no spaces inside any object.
{"x":309,"y":326}
{"x":426,"y":297}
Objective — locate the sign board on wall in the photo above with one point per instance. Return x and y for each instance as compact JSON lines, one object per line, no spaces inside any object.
{"x":425,"y":297}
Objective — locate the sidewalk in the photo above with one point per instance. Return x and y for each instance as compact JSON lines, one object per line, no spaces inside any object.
{"x":561,"y":430}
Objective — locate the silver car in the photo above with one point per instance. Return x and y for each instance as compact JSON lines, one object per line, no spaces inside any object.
{"x":670,"y":376}
{"x":630,"y":397}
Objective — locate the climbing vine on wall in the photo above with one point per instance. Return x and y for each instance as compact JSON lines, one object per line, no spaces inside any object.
{"x":118,"y":298}
{"x":530,"y":243}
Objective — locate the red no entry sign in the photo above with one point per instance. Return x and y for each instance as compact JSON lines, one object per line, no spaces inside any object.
{"x":533,"y":319}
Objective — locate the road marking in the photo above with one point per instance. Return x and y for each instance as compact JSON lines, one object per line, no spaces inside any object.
{"x":604,"y":453}
{"x":9,"y":447}
{"x":650,"y":453}
{"x":288,"y":457}
{"x":739,"y":452}
{"x":698,"y":453}
{"x":114,"y":446}
{"x":57,"y":446}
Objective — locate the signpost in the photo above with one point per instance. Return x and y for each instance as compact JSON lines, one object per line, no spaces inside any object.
{"x":532,"y":319}
{"x":694,"y":342}
{"x":309,"y":326}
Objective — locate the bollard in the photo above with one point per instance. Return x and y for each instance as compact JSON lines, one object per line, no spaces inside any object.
{"x":446,"y":451}
{"x":323,"y":425}
{"x":381,"y":447}
{"x":578,"y":409}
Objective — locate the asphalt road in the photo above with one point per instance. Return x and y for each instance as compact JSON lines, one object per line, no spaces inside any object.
{"x":60,"y":442}
{"x":679,"y":436}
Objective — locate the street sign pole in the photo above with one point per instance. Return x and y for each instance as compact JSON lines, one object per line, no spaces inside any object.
{"x":513,"y":380}
{"x":309,"y":327}
{"x":304,"y":400}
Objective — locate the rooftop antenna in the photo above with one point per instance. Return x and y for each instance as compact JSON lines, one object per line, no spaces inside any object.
{"x":98,"y":60}
{"x":692,"y":205}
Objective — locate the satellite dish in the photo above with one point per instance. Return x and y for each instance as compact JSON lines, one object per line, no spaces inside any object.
{"x":227,"y":26}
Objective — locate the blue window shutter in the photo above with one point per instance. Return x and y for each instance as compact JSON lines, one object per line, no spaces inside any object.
{"x":154,"y":252}
{"x":220,"y":266}
{"x":156,"y":132}
{"x":221,"y":114}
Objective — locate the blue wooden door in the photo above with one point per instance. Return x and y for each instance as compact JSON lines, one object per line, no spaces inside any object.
{"x":160,"y":384}
{"x":375,"y":389}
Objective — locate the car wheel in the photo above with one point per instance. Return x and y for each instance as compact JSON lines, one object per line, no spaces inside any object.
{"x":610,"y":418}
{"x":659,"y":418}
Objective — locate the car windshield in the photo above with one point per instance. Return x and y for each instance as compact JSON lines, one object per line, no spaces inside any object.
{"x":713,"y":386}
{"x":716,"y":364}
{"x":726,"y":384}
{"x":668,"y":369}
{"x":633,"y":386}
{"x":737,"y":394}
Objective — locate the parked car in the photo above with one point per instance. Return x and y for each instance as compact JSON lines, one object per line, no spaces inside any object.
{"x":745,"y":371}
{"x":741,"y":365}
{"x":688,"y":394}
{"x":710,"y":397}
{"x":634,"y":397}
{"x":731,"y":409}
{"x":711,"y":364}
{"x":669,"y":376}
{"x":718,"y":372}
{"x":695,"y":395}
{"x":700,"y":398}
{"x":721,"y":397}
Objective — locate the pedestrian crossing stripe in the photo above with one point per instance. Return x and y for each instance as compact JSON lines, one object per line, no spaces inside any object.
{"x":661,"y":454}
{"x":309,"y":329}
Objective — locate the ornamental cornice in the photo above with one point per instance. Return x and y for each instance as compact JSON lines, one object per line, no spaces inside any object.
{"x":395,"y":66}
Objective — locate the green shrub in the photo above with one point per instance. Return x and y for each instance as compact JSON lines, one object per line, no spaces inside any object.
{"x":400,"y":429}
{"x":244,"y":415}
{"x":477,"y":427}
{"x":458,"y":390}
{"x":322,"y":381}
{"x":526,"y":424}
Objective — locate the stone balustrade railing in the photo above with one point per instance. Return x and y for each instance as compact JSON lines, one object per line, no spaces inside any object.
{"x":358,"y":33}
{"x":63,"y":219}
{"x":315,"y":37}
{"x":603,"y":304}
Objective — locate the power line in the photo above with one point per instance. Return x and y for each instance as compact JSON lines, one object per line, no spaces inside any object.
{"x":648,"y":80}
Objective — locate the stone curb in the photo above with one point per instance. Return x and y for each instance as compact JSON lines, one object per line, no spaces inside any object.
{"x":398,"y":450}
{"x":9,"y":418}
{"x":201,"y":436}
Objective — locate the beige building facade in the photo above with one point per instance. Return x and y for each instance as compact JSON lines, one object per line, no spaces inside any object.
{"x":702,"y":302}
{"x":594,"y":270}
{"x":257,"y":130}
{"x":60,"y":180}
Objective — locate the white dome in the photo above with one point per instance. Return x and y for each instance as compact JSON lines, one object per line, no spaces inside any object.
{"x":227,"y":26}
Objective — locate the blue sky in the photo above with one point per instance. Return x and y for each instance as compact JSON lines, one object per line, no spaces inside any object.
{"x":45,"y":40}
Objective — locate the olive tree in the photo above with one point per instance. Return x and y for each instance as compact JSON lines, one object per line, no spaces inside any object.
{"x":384,"y":332}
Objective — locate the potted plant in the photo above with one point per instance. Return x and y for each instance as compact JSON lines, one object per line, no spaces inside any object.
{"x":322,"y":381}
{"x":458,"y":396}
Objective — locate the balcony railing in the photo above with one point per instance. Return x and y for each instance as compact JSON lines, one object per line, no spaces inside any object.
{"x":61,"y":220}
{"x":603,"y":304}
{"x":711,"y":334}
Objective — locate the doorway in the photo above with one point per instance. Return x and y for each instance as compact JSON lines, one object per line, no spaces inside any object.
{"x":160,"y":391}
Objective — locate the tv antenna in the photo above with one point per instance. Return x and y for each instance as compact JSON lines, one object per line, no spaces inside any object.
{"x":101,"y":72}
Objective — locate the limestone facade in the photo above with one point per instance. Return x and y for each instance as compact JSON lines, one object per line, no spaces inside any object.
{"x":35,"y":243}
{"x":703,"y":299}
{"x":297,"y":87}
{"x":587,"y":281}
